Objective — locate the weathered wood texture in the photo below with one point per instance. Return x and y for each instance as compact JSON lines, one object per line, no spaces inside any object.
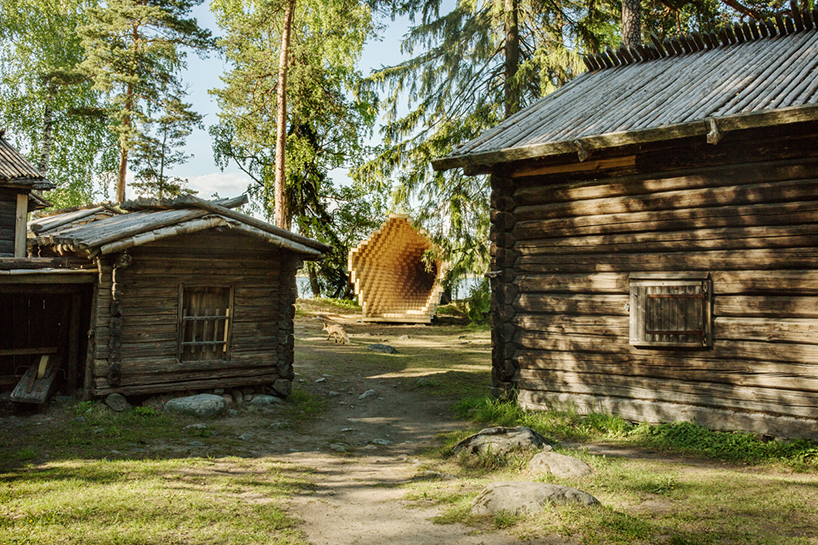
{"x":138,"y":318}
{"x":8,"y":220}
{"x":563,"y":249}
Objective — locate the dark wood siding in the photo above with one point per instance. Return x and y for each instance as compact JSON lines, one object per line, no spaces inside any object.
{"x":8,"y":216}
{"x":563,"y":248}
{"x":149,"y":293}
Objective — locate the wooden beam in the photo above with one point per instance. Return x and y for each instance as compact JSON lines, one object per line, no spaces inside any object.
{"x":20,"y":220}
{"x":28,"y":351}
{"x":589,"y":166}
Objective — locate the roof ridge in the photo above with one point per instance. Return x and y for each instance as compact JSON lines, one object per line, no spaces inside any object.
{"x":782,"y":25}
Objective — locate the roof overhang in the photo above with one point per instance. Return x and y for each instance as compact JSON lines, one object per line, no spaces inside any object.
{"x":484,"y":163}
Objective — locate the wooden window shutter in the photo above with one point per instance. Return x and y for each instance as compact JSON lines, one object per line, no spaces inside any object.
{"x":205,"y":320}
{"x":671,"y":310}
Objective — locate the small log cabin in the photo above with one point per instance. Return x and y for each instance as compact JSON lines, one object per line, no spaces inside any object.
{"x":188,"y":295}
{"x":655,"y":233}
{"x":392,"y":280}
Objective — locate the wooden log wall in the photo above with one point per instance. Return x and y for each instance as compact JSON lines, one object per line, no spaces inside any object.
{"x":8,"y":218}
{"x":137,"y":315}
{"x":746,"y":211}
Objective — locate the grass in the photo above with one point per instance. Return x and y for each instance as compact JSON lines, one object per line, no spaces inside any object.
{"x":149,"y":502}
{"x":698,"y":490}
{"x":678,"y":437}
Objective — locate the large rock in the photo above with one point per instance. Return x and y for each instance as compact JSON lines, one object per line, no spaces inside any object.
{"x":524,"y":497}
{"x":559,"y":465}
{"x":502,"y":440}
{"x":202,"y":405}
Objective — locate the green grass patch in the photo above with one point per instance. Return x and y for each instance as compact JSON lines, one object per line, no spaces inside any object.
{"x":680,"y":437}
{"x":188,"y":501}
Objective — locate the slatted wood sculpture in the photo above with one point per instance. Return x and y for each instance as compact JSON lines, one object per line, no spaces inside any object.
{"x":392,"y":281}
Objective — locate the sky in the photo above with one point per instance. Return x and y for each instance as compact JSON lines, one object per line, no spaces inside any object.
{"x":201,"y":75}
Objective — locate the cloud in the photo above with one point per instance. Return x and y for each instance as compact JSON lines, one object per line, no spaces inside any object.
{"x":226,"y":184}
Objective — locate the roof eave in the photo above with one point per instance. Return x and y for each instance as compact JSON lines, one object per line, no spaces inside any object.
{"x":484,"y":163}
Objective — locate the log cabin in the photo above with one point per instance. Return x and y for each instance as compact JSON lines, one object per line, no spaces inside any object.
{"x":395,"y":280}
{"x":188,"y":295}
{"x":655,"y":233}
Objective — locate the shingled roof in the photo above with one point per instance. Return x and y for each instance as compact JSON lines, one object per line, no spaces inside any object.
{"x":156,"y":220}
{"x":15,"y":170}
{"x":743,"y":76}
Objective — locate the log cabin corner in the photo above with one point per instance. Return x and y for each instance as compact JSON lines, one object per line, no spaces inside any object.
{"x":655,"y":233}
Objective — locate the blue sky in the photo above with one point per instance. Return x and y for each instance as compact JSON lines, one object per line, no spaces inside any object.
{"x":202,"y":173}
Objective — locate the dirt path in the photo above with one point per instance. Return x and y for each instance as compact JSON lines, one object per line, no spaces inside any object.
{"x":358,"y":496}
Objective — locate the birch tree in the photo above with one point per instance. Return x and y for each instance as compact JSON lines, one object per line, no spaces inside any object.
{"x":47,"y":103}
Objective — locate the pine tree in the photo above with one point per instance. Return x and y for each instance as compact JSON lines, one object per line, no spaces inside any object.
{"x":135,"y":51}
{"x":471,"y":67}
{"x":160,"y":149}
{"x":324,"y":126}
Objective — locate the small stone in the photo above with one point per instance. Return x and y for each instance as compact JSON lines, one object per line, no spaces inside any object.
{"x":283,"y":386}
{"x":232,"y":412}
{"x":266,"y":399}
{"x":196,"y":444}
{"x":218,"y":391}
{"x":117,"y":402}
{"x":383,"y":348}
{"x":79,"y":419}
{"x":238,"y":397}
{"x":339,"y":447}
{"x":199,"y":426}
{"x":245,"y":436}
{"x":382,"y":442}
{"x":424,"y":382}
{"x":404,"y":337}
{"x":367,"y":394}
{"x":322,"y":379}
{"x":332,"y":393}
{"x":228,"y":399}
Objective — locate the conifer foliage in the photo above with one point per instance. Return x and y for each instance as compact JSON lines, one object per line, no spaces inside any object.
{"x":135,"y":51}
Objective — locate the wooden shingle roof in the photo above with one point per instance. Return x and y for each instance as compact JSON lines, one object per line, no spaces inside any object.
{"x":15,"y":170}
{"x":166,"y":219}
{"x":743,"y":76}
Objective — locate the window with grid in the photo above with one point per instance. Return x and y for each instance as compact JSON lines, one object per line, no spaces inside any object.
{"x":670,"y":310}
{"x":205,"y":315}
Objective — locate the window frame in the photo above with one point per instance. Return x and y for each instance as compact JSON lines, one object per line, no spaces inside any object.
{"x":182,"y":323}
{"x":638,"y":284}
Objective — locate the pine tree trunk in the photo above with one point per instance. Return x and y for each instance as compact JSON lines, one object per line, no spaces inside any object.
{"x":281,"y":213}
{"x":511,"y":91}
{"x":48,"y":130}
{"x":123,"y":148}
{"x":631,"y":23}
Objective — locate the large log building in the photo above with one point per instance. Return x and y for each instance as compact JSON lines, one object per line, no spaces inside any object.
{"x":655,"y":233}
